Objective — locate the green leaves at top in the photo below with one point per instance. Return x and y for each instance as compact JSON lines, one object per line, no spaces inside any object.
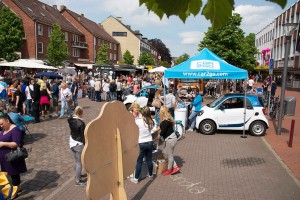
{"x":180,"y":8}
{"x":217,"y":11}
{"x":282,"y":3}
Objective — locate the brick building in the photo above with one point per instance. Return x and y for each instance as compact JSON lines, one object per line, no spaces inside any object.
{"x":95,"y":35}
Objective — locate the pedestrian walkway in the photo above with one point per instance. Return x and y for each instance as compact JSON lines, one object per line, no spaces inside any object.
{"x":221,"y":166}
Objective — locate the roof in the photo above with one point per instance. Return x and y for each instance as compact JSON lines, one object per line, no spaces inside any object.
{"x":92,"y":27}
{"x":45,"y":14}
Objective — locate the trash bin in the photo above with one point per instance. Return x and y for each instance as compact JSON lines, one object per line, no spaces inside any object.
{"x":181,"y":114}
{"x":289,"y":105}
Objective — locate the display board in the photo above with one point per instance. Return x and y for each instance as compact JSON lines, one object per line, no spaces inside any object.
{"x":110,"y":151}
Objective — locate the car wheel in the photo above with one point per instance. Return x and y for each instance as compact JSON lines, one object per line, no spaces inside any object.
{"x":128,"y":106}
{"x":207,"y":127}
{"x":257,"y":128}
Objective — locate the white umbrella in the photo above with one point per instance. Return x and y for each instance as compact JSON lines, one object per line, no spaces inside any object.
{"x":158,"y":69}
{"x":67,"y":70}
{"x":24,"y":63}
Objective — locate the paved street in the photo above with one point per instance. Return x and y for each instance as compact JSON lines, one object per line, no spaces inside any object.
{"x":221,"y":166}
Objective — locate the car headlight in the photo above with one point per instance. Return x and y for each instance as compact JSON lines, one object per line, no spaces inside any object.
{"x":200,"y":113}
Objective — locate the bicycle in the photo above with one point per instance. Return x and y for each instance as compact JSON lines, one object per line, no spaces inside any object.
{"x":274,"y":107}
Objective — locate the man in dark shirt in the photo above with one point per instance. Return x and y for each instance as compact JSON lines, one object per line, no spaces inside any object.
{"x":36,"y":101}
{"x":74,"y":90}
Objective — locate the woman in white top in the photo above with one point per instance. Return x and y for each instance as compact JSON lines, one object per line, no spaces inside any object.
{"x":65,"y":95}
{"x":145,"y":124}
{"x":105,"y":87}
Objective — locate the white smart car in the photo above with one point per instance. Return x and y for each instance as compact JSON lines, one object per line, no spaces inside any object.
{"x":227,"y":113}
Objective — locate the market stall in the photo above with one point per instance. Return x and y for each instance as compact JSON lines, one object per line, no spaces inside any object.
{"x":204,"y":65}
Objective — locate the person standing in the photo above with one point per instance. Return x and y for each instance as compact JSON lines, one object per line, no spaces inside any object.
{"x":166,"y":128}
{"x":119,"y":89}
{"x":92,"y":89}
{"x":273,"y":88}
{"x":65,"y":95}
{"x":3,"y":89}
{"x":74,"y":90}
{"x":10,"y":138}
{"x":170,"y":102}
{"x":77,"y":142}
{"x":197,"y":105}
{"x":36,"y":101}
{"x":55,"y":96}
{"x":145,"y":125}
{"x":97,"y":89}
{"x":112,"y":90}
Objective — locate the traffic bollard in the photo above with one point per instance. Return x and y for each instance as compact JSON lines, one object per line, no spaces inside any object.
{"x":291,"y":133}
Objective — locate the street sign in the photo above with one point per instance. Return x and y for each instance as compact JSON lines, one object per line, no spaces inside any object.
{"x":270,"y":71}
{"x":271,"y":64}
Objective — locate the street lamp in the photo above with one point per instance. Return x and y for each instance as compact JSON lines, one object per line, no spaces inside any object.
{"x":289,"y":29}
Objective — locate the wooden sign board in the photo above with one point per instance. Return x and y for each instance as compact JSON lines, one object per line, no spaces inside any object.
{"x":110,"y":151}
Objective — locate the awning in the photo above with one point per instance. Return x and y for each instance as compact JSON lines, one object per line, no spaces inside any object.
{"x":27,"y":63}
{"x":89,"y":66}
{"x":265,"y":68}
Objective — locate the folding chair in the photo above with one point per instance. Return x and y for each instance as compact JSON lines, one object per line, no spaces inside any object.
{"x":26,"y":121}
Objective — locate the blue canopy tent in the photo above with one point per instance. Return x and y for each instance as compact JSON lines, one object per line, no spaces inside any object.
{"x":207,"y":65}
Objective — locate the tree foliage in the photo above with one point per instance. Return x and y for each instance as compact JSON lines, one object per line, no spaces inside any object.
{"x":162,"y":50}
{"x":182,"y":58}
{"x":128,"y":58}
{"x":230,"y":44}
{"x":102,"y":55}
{"x":163,"y":63}
{"x":146,"y":59}
{"x":217,"y":11}
{"x":57,"y":50}
{"x":11,"y":34}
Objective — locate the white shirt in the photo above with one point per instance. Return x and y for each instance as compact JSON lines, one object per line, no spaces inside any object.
{"x":92,"y":83}
{"x":250,"y":82}
{"x":144,"y":133}
{"x":66,"y":94}
{"x":74,"y":143}
{"x":105,"y":87}
{"x":28,"y":92}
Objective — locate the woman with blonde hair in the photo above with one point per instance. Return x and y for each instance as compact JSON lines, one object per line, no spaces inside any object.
{"x":45,"y":98}
{"x":135,"y":110}
{"x":167,"y":133}
{"x":77,"y":142}
{"x":145,"y":124}
{"x":65,"y":95}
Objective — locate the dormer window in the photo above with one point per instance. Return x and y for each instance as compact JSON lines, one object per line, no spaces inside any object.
{"x":40,"y":29}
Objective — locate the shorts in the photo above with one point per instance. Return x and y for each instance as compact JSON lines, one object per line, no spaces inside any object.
{"x":55,"y":101}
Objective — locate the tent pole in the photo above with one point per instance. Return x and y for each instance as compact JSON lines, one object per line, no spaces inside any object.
{"x":245,"y":89}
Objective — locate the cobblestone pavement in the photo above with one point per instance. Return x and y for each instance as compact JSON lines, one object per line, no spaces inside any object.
{"x":221,"y":166}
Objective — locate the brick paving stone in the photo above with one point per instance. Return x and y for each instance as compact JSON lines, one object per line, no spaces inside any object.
{"x":223,"y":166}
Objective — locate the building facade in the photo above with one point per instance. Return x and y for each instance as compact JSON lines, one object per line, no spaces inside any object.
{"x":272,"y":37}
{"x":129,"y":40}
{"x":95,"y":36}
{"x":38,"y":19}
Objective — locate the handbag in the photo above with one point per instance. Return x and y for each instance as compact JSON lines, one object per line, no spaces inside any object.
{"x":15,"y":155}
{"x":70,"y":102}
{"x":156,"y":103}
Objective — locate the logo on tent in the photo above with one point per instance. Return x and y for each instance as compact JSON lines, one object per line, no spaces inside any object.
{"x":205,"y":64}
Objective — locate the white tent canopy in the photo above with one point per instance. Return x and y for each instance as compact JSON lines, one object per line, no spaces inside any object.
{"x":158,"y":69}
{"x":27,"y":63}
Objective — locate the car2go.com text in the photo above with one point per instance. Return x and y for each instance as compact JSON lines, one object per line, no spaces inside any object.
{"x":204,"y":74}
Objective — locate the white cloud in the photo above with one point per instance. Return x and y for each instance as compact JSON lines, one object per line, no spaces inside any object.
{"x":256,"y":17}
{"x":191,"y":37}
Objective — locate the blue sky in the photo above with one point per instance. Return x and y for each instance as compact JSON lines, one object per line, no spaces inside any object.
{"x":179,"y":37}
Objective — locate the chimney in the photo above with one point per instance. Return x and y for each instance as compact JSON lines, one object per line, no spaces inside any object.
{"x":44,"y":6}
{"x":100,"y":25}
{"x":55,"y":6}
{"x":63,"y":7}
{"x":79,"y":19}
{"x":82,"y":14}
{"x":119,"y":19}
{"x":128,"y":26}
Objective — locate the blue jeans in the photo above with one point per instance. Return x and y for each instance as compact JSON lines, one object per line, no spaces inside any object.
{"x":64,"y":105}
{"x":145,"y":150}
{"x":28,"y":104}
{"x":74,"y":98}
{"x":192,"y":119}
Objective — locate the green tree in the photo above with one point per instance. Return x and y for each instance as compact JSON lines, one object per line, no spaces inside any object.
{"x":145,"y":59}
{"x":182,"y":58}
{"x":128,"y":58}
{"x":163,"y":63}
{"x":230,"y":44}
{"x":57,"y":50}
{"x":102,"y":55}
{"x":217,"y":11}
{"x":11,"y":34}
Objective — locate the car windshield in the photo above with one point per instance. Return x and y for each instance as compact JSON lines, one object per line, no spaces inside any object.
{"x":216,"y":102}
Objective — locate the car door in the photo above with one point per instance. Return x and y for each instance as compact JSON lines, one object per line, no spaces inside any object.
{"x":230,"y":113}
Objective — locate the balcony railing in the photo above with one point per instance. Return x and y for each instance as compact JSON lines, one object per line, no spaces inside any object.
{"x":82,"y":45}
